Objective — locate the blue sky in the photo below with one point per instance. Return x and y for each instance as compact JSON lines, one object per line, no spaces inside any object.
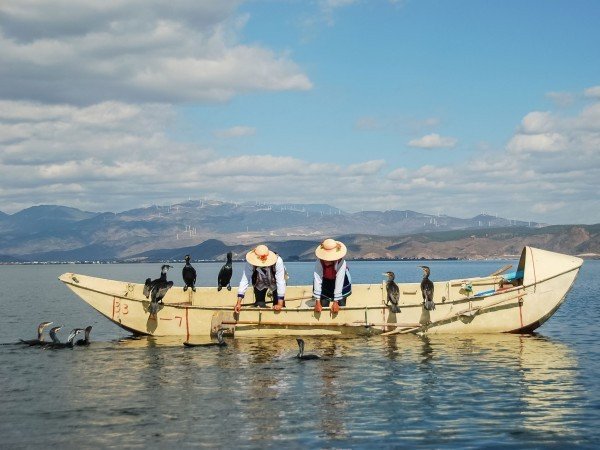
{"x":453,"y":106}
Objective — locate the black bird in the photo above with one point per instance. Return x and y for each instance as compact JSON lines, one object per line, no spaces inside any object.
{"x":157,"y":289}
{"x":427,"y":289}
{"x":53,"y":336}
{"x":393,"y":292}
{"x":301,"y":354}
{"x":86,"y":339}
{"x":40,"y":338}
{"x":189,"y":275}
{"x":225,"y":273}
{"x":57,"y":344}
{"x":220,"y":342}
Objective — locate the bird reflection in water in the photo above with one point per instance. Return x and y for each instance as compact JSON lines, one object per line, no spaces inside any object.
{"x":332,"y":404}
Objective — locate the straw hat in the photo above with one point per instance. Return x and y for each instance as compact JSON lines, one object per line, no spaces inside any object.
{"x":261,"y":256}
{"x":331,"y":250}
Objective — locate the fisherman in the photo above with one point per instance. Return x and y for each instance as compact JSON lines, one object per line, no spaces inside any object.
{"x":264,"y":269}
{"x":332,"y":283}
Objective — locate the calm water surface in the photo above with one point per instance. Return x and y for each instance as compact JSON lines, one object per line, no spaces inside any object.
{"x":505,"y":391}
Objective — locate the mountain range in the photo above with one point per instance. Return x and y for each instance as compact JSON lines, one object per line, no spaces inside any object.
{"x":208,"y":229}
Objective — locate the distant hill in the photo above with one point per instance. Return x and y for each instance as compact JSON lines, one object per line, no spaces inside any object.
{"x":9,"y":259}
{"x":211,"y":228}
{"x":463,"y":244}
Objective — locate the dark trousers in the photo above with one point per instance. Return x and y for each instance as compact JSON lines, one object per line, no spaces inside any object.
{"x":260,"y":297}
{"x":328,"y":289}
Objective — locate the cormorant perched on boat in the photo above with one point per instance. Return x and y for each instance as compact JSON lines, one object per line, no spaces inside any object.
{"x":427,"y":289}
{"x":69,"y":344}
{"x":40,"y":338}
{"x":393,"y":292}
{"x":225,"y":273}
{"x":157,"y":289}
{"x":220,"y":342}
{"x":86,"y":339}
{"x":301,"y":354}
{"x":189,"y":275}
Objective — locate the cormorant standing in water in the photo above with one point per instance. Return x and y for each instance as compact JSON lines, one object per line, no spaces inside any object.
{"x":40,"y":338}
{"x":301,"y":354}
{"x":57,"y":344}
{"x":220,"y":342}
{"x":225,"y":273}
{"x":189,"y":275}
{"x":86,"y":339}
{"x":157,"y":289}
{"x":393,"y":292}
{"x":427,"y":289}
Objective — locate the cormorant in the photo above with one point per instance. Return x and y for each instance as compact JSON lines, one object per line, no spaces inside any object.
{"x":220,"y":342}
{"x":57,"y":344}
{"x":157,"y":289}
{"x":225,"y":273}
{"x":427,"y":289}
{"x":189,"y":275}
{"x":53,"y":336}
{"x":86,"y":339}
{"x":301,"y":354}
{"x":393,"y":292}
{"x":40,"y":338}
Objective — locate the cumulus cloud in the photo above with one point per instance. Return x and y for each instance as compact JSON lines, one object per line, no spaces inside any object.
{"x":433,"y":140}
{"x":115,"y":156}
{"x":76,"y":52}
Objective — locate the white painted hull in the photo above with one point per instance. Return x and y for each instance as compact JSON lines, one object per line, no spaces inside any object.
{"x":547,"y":278}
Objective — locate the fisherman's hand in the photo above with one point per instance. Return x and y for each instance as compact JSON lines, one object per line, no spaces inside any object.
{"x":238,"y":305}
{"x":318,"y":307}
{"x":279,"y":305}
{"x":335,"y":307}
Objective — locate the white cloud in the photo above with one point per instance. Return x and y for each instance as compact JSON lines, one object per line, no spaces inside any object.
{"x":561,"y":99}
{"x":234,"y":132}
{"x":547,"y":207}
{"x":149,"y":51}
{"x":593,"y":92}
{"x":115,"y":156}
{"x":433,"y":140}
{"x":544,"y":142}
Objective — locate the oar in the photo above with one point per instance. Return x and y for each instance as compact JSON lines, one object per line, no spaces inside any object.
{"x":500,"y":271}
{"x":319,"y":324}
{"x":287,"y":300}
{"x":311,"y":324}
{"x":460,"y":313}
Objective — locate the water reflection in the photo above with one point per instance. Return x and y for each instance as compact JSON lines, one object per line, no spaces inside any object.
{"x":400,"y":389}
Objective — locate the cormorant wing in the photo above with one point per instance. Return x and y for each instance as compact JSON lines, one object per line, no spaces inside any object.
{"x":162,"y":289}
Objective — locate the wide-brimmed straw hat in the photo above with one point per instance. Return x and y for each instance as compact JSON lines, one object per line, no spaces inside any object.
{"x":261,"y":256}
{"x":331,"y":250}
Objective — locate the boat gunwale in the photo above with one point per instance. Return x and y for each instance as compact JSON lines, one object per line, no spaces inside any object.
{"x":365,"y":307}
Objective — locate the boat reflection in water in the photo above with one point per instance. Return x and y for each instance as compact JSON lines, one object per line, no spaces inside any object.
{"x":468,"y":387}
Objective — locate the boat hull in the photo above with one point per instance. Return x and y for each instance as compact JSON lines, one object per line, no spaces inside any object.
{"x":547,"y":279}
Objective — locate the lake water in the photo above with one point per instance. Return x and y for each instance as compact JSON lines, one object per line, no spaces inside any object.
{"x":463,"y":391}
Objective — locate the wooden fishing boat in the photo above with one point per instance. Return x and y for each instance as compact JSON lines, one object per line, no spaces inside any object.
{"x":517,"y":302}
